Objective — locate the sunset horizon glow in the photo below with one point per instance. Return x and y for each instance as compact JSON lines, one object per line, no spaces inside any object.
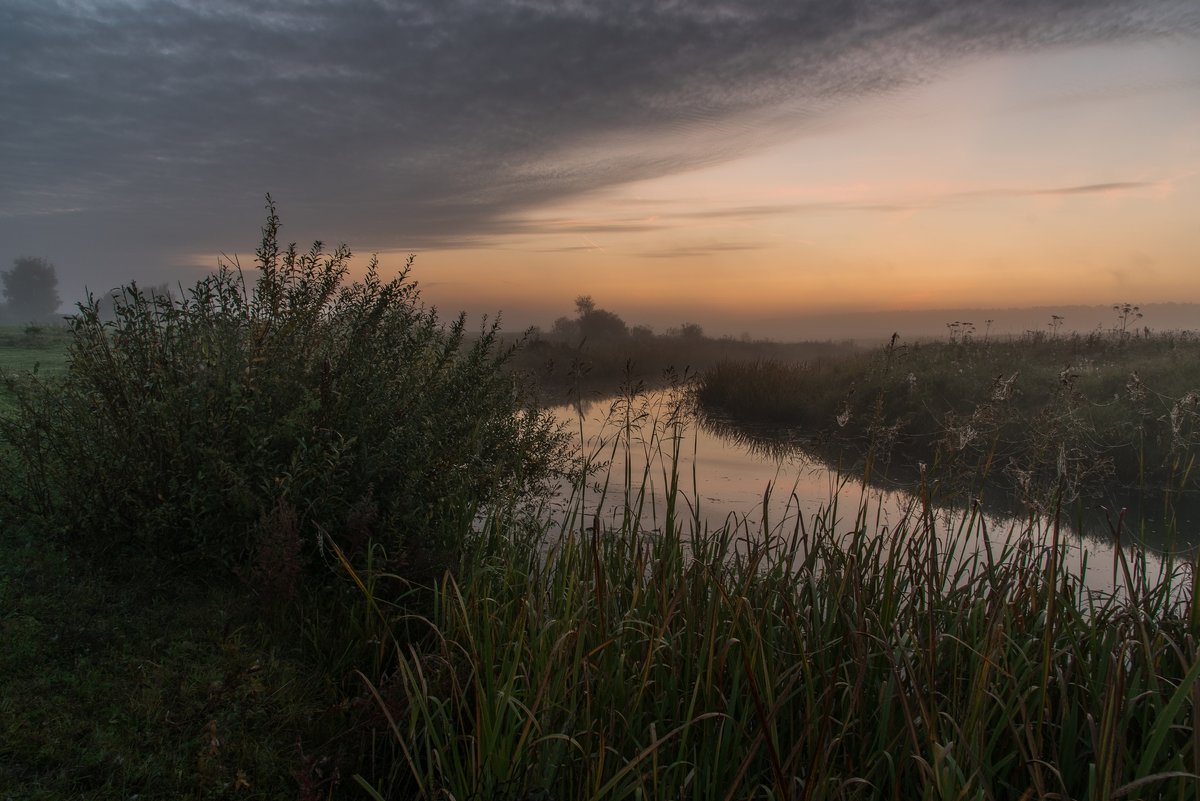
{"x":1078,"y":191}
{"x":916,"y":161}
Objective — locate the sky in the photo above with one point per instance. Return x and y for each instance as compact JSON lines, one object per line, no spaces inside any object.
{"x":741,"y":164}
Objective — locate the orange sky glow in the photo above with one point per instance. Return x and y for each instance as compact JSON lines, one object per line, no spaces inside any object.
{"x":735,"y":163}
{"x":1067,"y":176}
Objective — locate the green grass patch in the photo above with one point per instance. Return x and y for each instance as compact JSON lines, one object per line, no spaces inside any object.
{"x":28,"y":349}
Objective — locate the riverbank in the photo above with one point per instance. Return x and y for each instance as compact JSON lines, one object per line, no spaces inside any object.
{"x":1044,"y":415}
{"x":615,"y":664}
{"x":299,"y":550}
{"x":568,"y":371}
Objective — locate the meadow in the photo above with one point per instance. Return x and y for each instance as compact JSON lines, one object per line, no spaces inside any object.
{"x":299,"y":538}
{"x":33,"y":348}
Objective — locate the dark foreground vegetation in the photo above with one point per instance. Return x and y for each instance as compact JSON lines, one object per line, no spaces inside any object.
{"x":1048,"y":415}
{"x":296,"y":540}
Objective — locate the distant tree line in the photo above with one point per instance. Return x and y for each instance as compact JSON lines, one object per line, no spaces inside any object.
{"x":593,"y":324}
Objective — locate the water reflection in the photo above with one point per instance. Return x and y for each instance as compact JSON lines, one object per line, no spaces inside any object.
{"x":1162,"y":520}
{"x":654,"y":459}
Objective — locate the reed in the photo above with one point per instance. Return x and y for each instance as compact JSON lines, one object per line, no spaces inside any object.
{"x":837,"y":658}
{"x":1099,"y":413}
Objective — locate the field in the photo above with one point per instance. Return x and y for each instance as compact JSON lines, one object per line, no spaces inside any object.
{"x":26,"y":349}
{"x":304,"y":543}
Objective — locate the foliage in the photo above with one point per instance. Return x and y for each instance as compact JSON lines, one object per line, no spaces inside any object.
{"x":1077,"y":414}
{"x":30,"y":289}
{"x":186,"y":425}
{"x":564,"y":657}
{"x":689,"y":331}
{"x":591,"y":323}
{"x":565,"y":367}
{"x":118,"y":686}
{"x":836,"y":659}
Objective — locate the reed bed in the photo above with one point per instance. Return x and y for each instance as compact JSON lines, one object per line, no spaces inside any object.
{"x":839,"y":658}
{"x":1106,"y":414}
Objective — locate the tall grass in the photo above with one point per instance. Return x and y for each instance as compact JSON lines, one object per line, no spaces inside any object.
{"x":839,"y":658}
{"x":1106,"y":412}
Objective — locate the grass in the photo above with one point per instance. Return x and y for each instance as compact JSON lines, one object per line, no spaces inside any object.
{"x":1094,"y":413}
{"x":566,"y":657}
{"x":566,"y":654}
{"x":563,"y":370}
{"x":26,"y":349}
{"x":116,"y":685}
{"x":839,"y":659}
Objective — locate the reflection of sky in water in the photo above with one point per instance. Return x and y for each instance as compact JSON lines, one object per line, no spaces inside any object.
{"x":730,"y":476}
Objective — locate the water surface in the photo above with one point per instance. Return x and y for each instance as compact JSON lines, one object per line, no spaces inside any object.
{"x":771,"y":484}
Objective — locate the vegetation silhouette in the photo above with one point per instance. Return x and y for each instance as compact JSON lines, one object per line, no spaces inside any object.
{"x":30,"y":290}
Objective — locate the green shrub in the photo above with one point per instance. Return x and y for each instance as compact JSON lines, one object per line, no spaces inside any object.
{"x":191,"y":427}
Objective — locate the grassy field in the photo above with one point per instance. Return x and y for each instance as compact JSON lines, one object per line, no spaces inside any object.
{"x":29,"y":348}
{"x":836,"y":659}
{"x":577,"y":660}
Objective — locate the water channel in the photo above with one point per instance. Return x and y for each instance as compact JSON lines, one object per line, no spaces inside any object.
{"x":769,"y":484}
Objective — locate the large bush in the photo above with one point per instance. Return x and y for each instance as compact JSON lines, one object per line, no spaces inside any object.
{"x":241,"y":421}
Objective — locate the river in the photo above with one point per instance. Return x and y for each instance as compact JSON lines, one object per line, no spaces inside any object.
{"x":770,"y":486}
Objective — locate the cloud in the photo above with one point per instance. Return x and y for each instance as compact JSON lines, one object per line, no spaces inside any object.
{"x":568,"y":249}
{"x":665,"y":220}
{"x":697,"y":251}
{"x":1096,"y":189}
{"x":429,"y":123}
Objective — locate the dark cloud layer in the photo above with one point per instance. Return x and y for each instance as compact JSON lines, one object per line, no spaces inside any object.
{"x":137,"y":127}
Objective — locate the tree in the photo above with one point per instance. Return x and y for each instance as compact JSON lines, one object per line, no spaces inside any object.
{"x":565,"y":328}
{"x":642,"y":333}
{"x":590,"y":323}
{"x":31,"y":287}
{"x":601,"y":324}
